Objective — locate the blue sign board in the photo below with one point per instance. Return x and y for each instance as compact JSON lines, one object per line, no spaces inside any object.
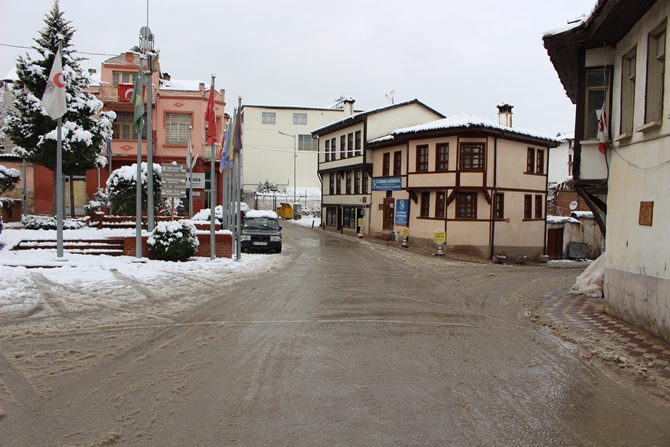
{"x":387,"y":184}
{"x":401,"y":208}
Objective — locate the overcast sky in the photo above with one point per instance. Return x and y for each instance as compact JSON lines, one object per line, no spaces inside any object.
{"x":455,"y":56}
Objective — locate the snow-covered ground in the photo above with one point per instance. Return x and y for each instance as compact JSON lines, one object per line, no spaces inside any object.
{"x":35,"y":283}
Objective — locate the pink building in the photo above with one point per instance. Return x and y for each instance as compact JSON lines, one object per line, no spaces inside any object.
{"x":176,"y":106}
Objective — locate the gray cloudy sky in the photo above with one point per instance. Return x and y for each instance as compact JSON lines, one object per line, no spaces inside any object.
{"x":455,"y":56}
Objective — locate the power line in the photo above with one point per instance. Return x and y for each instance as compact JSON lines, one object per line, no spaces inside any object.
{"x":80,"y":52}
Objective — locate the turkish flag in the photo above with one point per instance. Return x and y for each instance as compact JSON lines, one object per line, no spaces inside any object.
{"x":210,"y":117}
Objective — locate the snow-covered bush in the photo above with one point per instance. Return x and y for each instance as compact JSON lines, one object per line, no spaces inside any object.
{"x":8,"y":179}
{"x":122,"y":189}
{"x":205,"y":213}
{"x":173,"y":241}
{"x":50,"y":223}
{"x":92,"y":206}
{"x":172,"y":204}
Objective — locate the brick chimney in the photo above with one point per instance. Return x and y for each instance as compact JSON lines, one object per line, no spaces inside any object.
{"x":505,"y":114}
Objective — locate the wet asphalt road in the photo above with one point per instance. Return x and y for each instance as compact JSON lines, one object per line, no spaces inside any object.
{"x":348,"y":344}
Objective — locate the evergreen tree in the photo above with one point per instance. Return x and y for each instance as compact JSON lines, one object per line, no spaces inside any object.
{"x":85,"y":129}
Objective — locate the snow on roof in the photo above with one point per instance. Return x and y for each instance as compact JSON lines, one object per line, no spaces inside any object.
{"x":261,"y":213}
{"x":582,"y":214}
{"x":465,"y":120}
{"x":368,"y":112}
{"x":572,"y":24}
{"x":562,"y":219}
{"x":180,"y":85}
{"x":11,"y":75}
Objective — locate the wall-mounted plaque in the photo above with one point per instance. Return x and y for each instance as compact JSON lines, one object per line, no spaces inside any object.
{"x":646,"y":213}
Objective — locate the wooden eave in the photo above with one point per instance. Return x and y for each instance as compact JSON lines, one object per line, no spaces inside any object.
{"x":610,"y":21}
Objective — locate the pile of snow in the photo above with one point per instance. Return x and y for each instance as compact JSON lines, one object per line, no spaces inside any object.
{"x":590,"y":282}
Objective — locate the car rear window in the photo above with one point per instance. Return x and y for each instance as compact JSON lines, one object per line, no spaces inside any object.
{"x":261,"y":223}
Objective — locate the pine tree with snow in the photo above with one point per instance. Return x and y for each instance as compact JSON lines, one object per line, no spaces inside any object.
{"x":85,"y":129}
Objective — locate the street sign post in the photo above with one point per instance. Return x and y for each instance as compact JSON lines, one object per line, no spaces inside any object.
{"x":174,"y":179}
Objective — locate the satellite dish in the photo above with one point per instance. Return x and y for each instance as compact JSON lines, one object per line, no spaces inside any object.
{"x":573,"y":205}
{"x":390,"y":96}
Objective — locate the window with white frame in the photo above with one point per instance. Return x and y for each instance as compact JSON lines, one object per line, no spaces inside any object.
{"x":307,"y":143}
{"x":655,"y":74}
{"x":628,"y":91}
{"x":269,"y":118}
{"x":299,"y":118}
{"x":176,"y":128}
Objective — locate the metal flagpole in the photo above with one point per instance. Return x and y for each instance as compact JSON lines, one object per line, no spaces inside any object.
{"x":150,"y":155}
{"x":190,"y":173}
{"x":59,"y":193}
{"x":25,"y":190}
{"x":212,"y":195}
{"x":138,"y":184}
{"x":239,"y":190}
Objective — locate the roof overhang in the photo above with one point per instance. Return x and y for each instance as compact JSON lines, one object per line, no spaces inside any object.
{"x":609,"y":22}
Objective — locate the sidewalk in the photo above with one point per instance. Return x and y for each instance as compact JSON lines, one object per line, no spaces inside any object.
{"x":627,"y":354}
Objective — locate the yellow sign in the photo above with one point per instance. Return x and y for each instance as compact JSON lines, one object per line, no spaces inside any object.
{"x":440,"y":236}
{"x":405,"y":232}
{"x":361,"y":222}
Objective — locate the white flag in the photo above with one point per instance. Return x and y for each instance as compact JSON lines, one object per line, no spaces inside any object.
{"x":54,"y":93}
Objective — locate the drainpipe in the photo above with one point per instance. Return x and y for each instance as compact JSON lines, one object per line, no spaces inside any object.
{"x":495,"y":193}
{"x":546,"y":188}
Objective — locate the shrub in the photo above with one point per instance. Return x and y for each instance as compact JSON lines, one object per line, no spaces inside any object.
{"x":173,"y":241}
{"x":122,"y":189}
{"x":92,"y":206}
{"x":50,"y":223}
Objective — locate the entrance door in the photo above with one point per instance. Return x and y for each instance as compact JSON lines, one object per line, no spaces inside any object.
{"x":555,"y":243}
{"x":389,"y":213}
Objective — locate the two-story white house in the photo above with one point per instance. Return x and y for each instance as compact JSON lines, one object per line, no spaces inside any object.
{"x":345,"y":166}
{"x":616,"y":58}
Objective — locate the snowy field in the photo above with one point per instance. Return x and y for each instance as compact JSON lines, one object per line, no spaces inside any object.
{"x":39,"y":292}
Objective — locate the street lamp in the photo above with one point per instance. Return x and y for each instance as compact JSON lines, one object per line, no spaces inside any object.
{"x":295,"y":156}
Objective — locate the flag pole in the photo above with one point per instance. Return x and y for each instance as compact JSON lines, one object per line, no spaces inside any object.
{"x":190,"y":173}
{"x":138,"y":183}
{"x":59,"y":192}
{"x":150,"y":155}
{"x":239,"y":184}
{"x":212,"y":182}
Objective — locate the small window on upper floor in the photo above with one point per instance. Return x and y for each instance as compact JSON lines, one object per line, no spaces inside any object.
{"x":655,"y":74}
{"x":299,"y":118}
{"x":597,"y":97}
{"x":628,"y":91}
{"x":269,"y":118}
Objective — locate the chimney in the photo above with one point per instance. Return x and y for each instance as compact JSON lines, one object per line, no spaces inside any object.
{"x":505,"y":114}
{"x":349,"y":106}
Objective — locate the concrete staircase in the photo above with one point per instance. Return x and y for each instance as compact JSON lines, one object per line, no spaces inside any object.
{"x":110,"y":247}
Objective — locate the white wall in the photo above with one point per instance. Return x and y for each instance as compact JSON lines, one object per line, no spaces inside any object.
{"x":268,"y":155}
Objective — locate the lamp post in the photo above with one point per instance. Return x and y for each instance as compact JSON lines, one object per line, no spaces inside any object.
{"x":295,"y":156}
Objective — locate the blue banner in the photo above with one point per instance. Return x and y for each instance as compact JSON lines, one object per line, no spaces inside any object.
{"x":402,"y":205}
{"x":387,"y":184}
